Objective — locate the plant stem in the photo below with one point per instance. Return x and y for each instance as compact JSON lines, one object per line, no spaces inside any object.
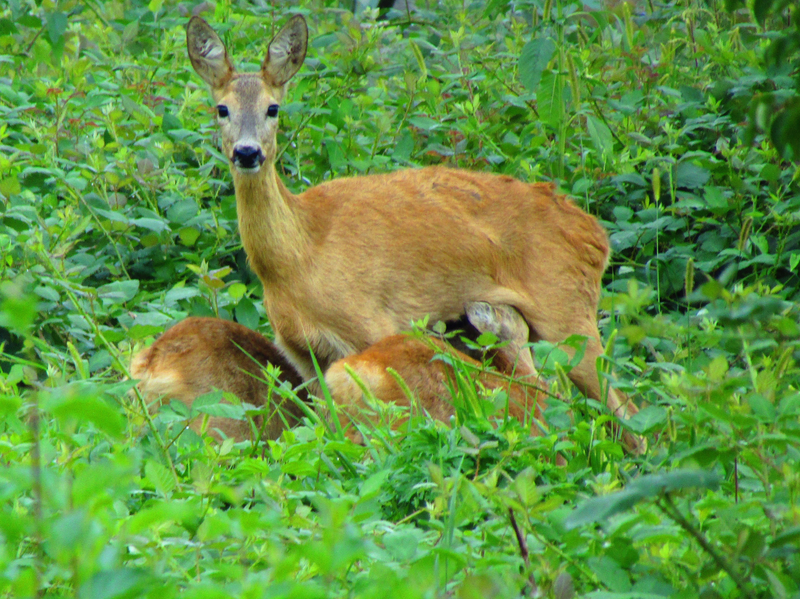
{"x":668,"y":507}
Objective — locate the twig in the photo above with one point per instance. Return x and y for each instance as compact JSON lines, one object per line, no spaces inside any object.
{"x":672,"y":511}
{"x":36,"y":476}
{"x":523,"y":551}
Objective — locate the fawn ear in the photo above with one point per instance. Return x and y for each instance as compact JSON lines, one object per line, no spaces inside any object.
{"x":208,"y":55}
{"x":286,"y":52}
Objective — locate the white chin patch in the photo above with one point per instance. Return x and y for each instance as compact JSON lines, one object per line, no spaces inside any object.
{"x":248,"y":171}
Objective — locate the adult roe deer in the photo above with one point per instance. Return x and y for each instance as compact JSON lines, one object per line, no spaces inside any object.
{"x":198,"y":355}
{"x":352,"y":261}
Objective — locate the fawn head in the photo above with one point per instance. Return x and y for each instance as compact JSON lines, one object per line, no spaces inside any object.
{"x":247,"y":103}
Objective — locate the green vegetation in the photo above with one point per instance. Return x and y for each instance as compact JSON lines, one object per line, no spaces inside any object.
{"x":676,"y":124}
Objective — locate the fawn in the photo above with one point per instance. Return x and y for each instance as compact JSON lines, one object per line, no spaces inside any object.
{"x":198,"y":355}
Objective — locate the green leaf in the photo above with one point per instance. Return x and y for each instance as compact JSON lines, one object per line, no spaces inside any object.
{"x":222,"y":410}
{"x":237,"y":290}
{"x":188,"y":236}
{"x":10,"y":185}
{"x":207,"y":399}
{"x":119,"y":292}
{"x":610,"y":573}
{"x":72,"y":405}
{"x":790,"y":535}
{"x":647,"y":420}
{"x":56,"y":26}
{"x":121,"y":583}
{"x":170,"y":122}
{"x":551,"y":99}
{"x":533,"y":60}
{"x":653,"y":485}
{"x":761,"y":9}
{"x":247,"y":314}
{"x":17,"y":309}
{"x":160,"y":477}
{"x":372,"y":486}
{"x":691,"y":176}
{"x":601,"y":136}
{"x":599,"y":509}
{"x":9,"y":405}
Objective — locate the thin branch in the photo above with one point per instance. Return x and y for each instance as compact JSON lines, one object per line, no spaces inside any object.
{"x":671,"y":510}
{"x":523,"y":551}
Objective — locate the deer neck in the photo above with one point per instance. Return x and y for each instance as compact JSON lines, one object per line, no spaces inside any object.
{"x":271,"y":223}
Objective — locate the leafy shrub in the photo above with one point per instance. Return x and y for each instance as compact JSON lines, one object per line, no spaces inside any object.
{"x":673,"y":123}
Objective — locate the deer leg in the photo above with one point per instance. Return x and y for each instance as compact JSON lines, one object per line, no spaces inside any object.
{"x":586,"y":377}
{"x":507,"y":324}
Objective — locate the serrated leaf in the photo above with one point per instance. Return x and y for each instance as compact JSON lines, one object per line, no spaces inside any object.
{"x":551,"y":99}
{"x":223,"y":410}
{"x":160,"y":477}
{"x":647,"y":419}
{"x":119,"y":291}
{"x":208,"y":399}
{"x":601,"y":136}
{"x":691,"y":176}
{"x":602,"y":508}
{"x":533,"y":60}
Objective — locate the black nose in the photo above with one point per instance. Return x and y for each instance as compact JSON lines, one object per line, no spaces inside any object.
{"x":248,"y":156}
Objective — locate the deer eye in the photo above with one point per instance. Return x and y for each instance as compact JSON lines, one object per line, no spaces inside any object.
{"x":222,"y":111}
{"x":272,"y":111}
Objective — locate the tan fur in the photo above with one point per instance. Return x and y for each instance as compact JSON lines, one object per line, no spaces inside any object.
{"x":354,"y":260}
{"x":198,"y":355}
{"x":429,"y":380}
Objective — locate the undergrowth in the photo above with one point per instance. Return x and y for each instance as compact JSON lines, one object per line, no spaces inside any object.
{"x":668,"y":121}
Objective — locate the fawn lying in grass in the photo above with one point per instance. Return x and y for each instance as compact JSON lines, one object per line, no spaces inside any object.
{"x":198,"y":355}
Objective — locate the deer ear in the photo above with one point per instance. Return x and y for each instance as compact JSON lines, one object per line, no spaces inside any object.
{"x":207,"y":53}
{"x":286,"y":52}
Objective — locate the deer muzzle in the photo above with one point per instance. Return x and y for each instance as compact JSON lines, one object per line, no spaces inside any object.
{"x":248,"y":158}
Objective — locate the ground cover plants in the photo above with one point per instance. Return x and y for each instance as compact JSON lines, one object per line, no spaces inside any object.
{"x":671,"y":122}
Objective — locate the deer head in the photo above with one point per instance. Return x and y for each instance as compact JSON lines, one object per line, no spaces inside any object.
{"x":247,"y":103}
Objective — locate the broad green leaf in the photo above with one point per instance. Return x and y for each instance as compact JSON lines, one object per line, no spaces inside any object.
{"x":9,"y":405}
{"x":119,"y":292}
{"x":599,"y":509}
{"x":10,"y":185}
{"x":761,"y":9}
{"x":601,"y":136}
{"x":74,"y":405}
{"x":56,"y":26}
{"x":610,"y":573}
{"x":550,"y":99}
{"x":237,"y":290}
{"x":653,"y":485}
{"x":208,"y":399}
{"x":247,"y":313}
{"x":121,"y":583}
{"x":160,"y":477}
{"x":222,"y":410}
{"x":533,"y":60}
{"x":373,"y":484}
{"x":647,"y":420}
{"x":691,"y":176}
